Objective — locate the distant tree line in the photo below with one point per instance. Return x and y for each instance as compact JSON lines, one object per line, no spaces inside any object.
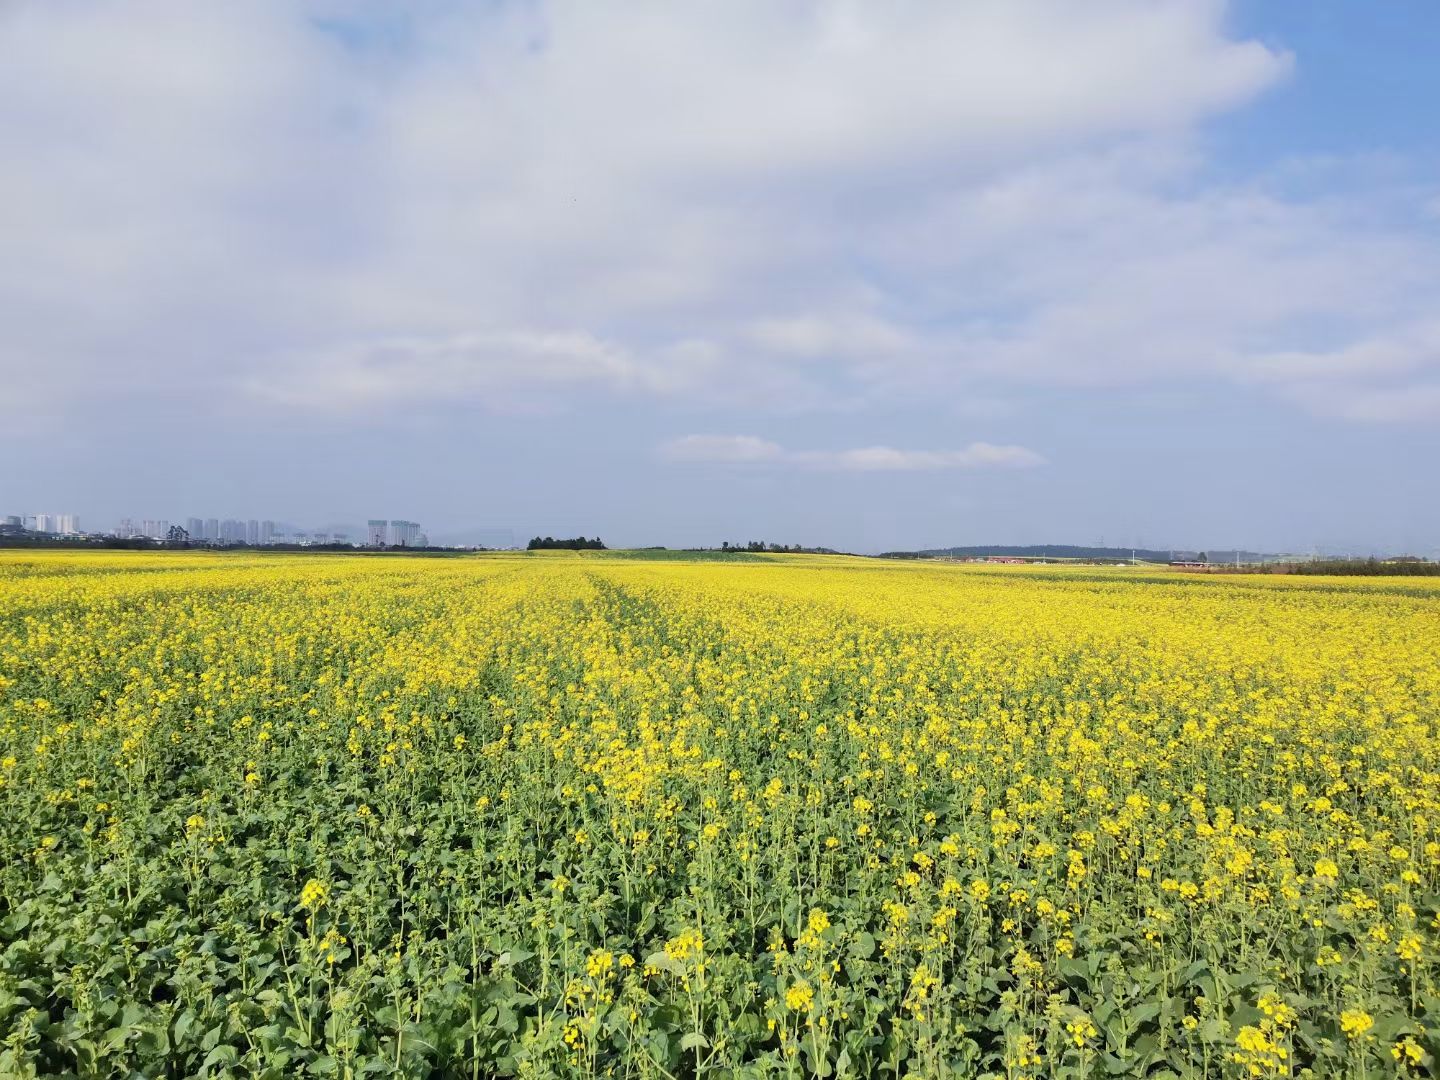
{"x":782,"y":549}
{"x":33,"y":540}
{"x":1037,"y":551}
{"x":145,"y":543}
{"x":549,"y":543}
{"x":1409,"y":567}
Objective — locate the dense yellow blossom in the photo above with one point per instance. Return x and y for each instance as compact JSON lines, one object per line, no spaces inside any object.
{"x":564,"y":815}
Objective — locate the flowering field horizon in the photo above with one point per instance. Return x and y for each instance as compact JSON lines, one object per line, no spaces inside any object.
{"x":593,"y":815}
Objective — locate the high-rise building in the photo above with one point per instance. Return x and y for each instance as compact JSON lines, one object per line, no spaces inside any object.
{"x":196,"y":528}
{"x":126,"y":529}
{"x":154,"y":528}
{"x":375,"y":536}
{"x":267,"y":532}
{"x":64,"y":524}
{"x":212,"y":528}
{"x":13,"y":520}
{"x":232,"y":531}
{"x":252,"y":532}
{"x":45,"y":523}
{"x":403,"y":533}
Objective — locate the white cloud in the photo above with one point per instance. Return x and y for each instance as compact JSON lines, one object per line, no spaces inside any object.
{"x":846,"y":335}
{"x":742,"y":205}
{"x":1365,"y":404}
{"x":1407,"y":350}
{"x":978,"y":455}
{"x":477,"y":369}
{"x":728,"y":449}
{"x":1390,"y":378}
{"x":750,"y":449}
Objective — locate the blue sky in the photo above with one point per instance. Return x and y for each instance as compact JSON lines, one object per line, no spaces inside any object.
{"x":873,"y":276}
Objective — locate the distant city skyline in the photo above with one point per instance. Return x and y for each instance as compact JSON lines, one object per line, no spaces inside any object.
{"x":397,"y":532}
{"x":57,"y":524}
{"x":260,"y":532}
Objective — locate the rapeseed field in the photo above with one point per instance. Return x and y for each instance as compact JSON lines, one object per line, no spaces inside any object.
{"x":582,"y":816}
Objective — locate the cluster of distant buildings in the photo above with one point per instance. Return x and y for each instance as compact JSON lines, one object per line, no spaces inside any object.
{"x":217,"y":531}
{"x":253,"y":533}
{"x":400,"y":534}
{"x":49,"y":524}
{"x":202,"y":530}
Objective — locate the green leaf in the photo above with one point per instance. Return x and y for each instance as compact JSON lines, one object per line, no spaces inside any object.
{"x":663,"y":961}
{"x":220,"y":1055}
{"x":1142,"y":1013}
{"x":183,"y":1022}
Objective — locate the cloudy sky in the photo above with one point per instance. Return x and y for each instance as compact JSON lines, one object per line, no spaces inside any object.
{"x":868,"y":275}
